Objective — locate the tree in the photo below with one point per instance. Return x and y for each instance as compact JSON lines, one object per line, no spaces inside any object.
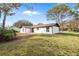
{"x":75,"y":15}
{"x":77,"y":6}
{"x":6,"y":9}
{"x":0,"y":24}
{"x":75,"y":18}
{"x":58,"y":13}
{"x":40,"y":24}
{"x":21,"y":23}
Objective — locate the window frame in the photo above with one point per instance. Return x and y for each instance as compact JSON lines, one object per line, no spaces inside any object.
{"x":47,"y":29}
{"x":37,"y":28}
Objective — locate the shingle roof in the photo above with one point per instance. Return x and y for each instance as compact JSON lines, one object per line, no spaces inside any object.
{"x":44,"y":25}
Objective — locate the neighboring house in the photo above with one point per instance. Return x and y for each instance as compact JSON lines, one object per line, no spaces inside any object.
{"x":45,"y":28}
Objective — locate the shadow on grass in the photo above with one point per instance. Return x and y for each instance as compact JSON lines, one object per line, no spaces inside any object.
{"x":45,"y":35}
{"x":68,"y":34}
{"x":58,"y":34}
{"x":23,"y":37}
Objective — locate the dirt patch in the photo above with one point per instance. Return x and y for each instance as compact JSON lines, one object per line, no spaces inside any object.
{"x":24,"y":36}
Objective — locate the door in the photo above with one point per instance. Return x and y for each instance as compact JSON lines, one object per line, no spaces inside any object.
{"x":32,"y":30}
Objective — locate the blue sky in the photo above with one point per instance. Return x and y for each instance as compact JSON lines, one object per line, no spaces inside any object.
{"x":38,"y":15}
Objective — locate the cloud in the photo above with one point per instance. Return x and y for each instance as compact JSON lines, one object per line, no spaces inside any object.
{"x":30,"y":12}
{"x":27,"y":12}
{"x":35,"y":13}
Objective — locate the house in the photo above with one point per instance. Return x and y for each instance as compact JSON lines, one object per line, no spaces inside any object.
{"x":45,"y":28}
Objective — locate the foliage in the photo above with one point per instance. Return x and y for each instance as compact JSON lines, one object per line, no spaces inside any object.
{"x":0,"y":24}
{"x":6,"y":35}
{"x":77,"y":6}
{"x":72,"y":25}
{"x":58,"y":13}
{"x":15,"y":28}
{"x":74,"y":14}
{"x":21,"y":23}
{"x":6,"y":10}
{"x":40,"y":24}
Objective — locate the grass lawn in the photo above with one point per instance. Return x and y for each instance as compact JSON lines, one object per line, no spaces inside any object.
{"x":43,"y":44}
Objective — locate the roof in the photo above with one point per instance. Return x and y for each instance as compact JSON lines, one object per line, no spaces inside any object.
{"x":44,"y":25}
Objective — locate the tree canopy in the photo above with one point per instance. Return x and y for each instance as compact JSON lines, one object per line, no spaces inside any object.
{"x":40,"y":24}
{"x":75,"y":12}
{"x":6,"y":10}
{"x":77,"y":6}
{"x":21,"y":23}
{"x":58,"y":13}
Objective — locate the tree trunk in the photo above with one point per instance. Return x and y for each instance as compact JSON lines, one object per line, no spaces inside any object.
{"x":62,"y":27}
{"x":4,"y":19}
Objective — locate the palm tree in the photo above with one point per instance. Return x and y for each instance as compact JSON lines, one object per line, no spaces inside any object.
{"x":5,"y":9}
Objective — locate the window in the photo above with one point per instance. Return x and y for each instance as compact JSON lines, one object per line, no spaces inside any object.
{"x":37,"y":28}
{"x":47,"y":29}
{"x":23,"y":29}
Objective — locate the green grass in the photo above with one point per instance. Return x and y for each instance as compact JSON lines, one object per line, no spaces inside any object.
{"x":62,"y":44}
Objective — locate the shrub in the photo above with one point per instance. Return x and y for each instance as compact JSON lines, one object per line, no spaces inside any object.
{"x":6,"y":35}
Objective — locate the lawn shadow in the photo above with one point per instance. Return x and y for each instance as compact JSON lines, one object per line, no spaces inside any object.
{"x":68,"y":34}
{"x":45,"y":35}
{"x":22,"y":37}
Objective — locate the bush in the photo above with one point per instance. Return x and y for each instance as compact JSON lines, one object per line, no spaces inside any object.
{"x":6,"y":35}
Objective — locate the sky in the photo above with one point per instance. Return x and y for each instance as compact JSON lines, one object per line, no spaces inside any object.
{"x":37,"y":15}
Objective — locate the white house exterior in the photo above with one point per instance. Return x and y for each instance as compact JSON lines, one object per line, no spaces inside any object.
{"x":25,"y":30}
{"x":48,"y":29}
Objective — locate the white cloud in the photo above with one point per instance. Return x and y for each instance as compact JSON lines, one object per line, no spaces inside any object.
{"x":35,"y":12}
{"x":27,"y":12}
{"x":30,"y":12}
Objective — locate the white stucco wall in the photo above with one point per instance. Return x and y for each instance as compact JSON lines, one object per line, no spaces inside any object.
{"x":52,"y":30}
{"x":25,"y":30}
{"x":55,"y":29}
{"x":43,"y":30}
